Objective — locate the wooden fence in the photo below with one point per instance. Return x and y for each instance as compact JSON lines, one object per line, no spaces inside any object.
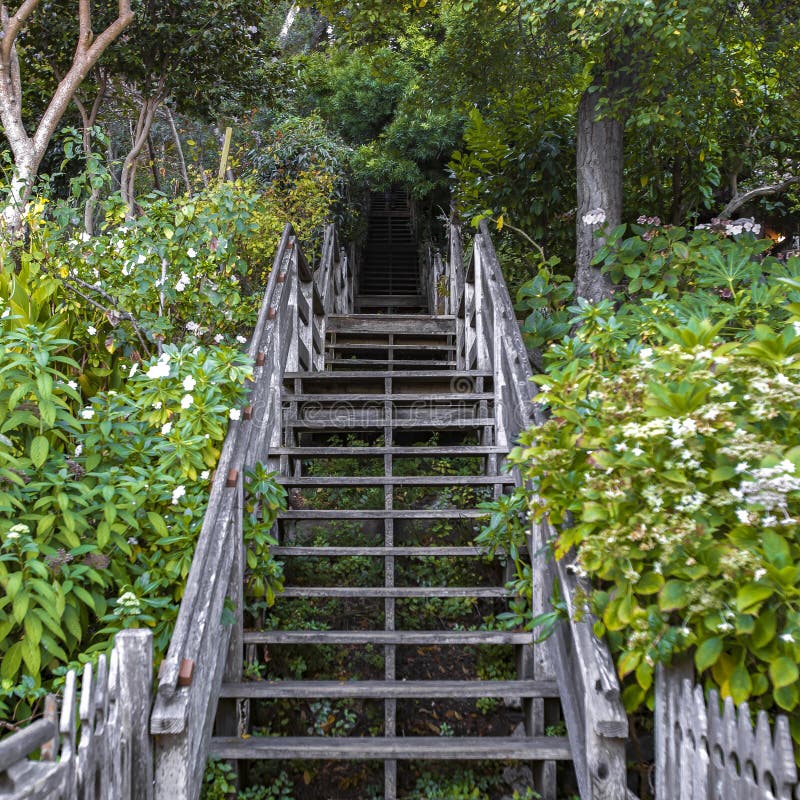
{"x":111,"y":757}
{"x":707,"y":750}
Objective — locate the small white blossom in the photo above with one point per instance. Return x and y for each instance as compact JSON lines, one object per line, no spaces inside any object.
{"x":177,"y":493}
{"x":218,"y":338}
{"x":78,"y":451}
{"x":759,"y":574}
{"x":189,"y":383}
{"x":596,"y":216}
{"x":72,"y":384}
{"x":166,"y":428}
{"x":241,"y":339}
{"x":191,"y":252}
{"x":157,"y":405}
{"x":87,"y":413}
{"x":204,"y":475}
{"x":787,"y":637}
{"x":187,"y":401}
{"x":91,"y":330}
{"x":235,"y":414}
{"x":134,"y":369}
{"x":158,"y":370}
{"x":743,"y":516}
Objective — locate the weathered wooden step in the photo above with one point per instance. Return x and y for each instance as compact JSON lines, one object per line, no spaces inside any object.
{"x":321,"y":551}
{"x":385,"y":362}
{"x":345,"y":420}
{"x":391,"y":300}
{"x":354,"y":513}
{"x":418,"y":324}
{"x":416,"y":638}
{"x":396,"y":591}
{"x":428,"y":748}
{"x":395,"y":397}
{"x":459,"y":451}
{"x":400,"y":690}
{"x":401,"y":347}
{"x":395,"y":480}
{"x":378,"y":374}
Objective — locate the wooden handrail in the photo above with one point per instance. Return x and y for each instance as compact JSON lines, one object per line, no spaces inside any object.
{"x":489,"y":338}
{"x":289,"y":336}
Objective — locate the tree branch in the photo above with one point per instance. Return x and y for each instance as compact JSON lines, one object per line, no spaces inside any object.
{"x":126,"y":315}
{"x":741,"y":199}
{"x":84,"y":59}
{"x":14,"y":25}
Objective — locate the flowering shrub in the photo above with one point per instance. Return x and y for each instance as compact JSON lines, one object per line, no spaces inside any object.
{"x":120,"y":368}
{"x":683,"y":493}
{"x":670,"y":462}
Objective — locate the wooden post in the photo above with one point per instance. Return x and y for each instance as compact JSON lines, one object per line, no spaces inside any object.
{"x":135,"y":663}
{"x":226,"y":149}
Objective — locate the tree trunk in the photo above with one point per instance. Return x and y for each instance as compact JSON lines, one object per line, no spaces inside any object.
{"x":140,"y":136}
{"x":599,"y":163}
{"x":179,"y":146}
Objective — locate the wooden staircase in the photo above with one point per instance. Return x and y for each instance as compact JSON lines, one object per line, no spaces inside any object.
{"x":389,"y":274}
{"x":388,"y":430}
{"x":394,"y":405}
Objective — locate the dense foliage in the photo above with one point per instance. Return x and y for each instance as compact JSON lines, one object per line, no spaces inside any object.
{"x":669,"y":459}
{"x":121,"y":365}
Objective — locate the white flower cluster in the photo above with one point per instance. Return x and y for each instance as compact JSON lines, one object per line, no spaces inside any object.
{"x":182,"y":283}
{"x":160,"y":369}
{"x":597,"y":216}
{"x":177,"y":493}
{"x":15,"y":531}
{"x":732,"y":227}
{"x":128,"y":600}
{"x":769,"y":488}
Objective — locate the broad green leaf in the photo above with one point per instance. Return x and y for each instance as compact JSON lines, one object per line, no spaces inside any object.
{"x":39,"y":450}
{"x":707,"y":653}
{"x":783,"y":672}
{"x":751,"y":596}
{"x":674,"y":595}
{"x":740,"y":684}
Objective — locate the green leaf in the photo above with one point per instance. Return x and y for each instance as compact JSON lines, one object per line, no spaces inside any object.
{"x":674,"y":595}
{"x":783,"y":672}
{"x":740,"y":684}
{"x":11,"y":661}
{"x":594,"y":512}
{"x":707,"y":653}
{"x":776,"y":548}
{"x":751,"y":596}
{"x":157,"y":521}
{"x":787,"y":697}
{"x":39,"y":450}
{"x":649,"y":583}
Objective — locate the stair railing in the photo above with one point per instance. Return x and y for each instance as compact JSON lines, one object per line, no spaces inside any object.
{"x":207,"y":642}
{"x":489,"y":338}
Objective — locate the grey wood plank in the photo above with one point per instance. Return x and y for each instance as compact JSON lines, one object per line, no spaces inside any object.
{"x":381,"y":374}
{"x":353,"y":421}
{"x":395,"y":591}
{"x":397,"y":480}
{"x":401,"y":748}
{"x":378,"y":690}
{"x":415,"y":452}
{"x":351,"y":513}
{"x":380,"y":637}
{"x":378,"y":552}
{"x":401,"y":397}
